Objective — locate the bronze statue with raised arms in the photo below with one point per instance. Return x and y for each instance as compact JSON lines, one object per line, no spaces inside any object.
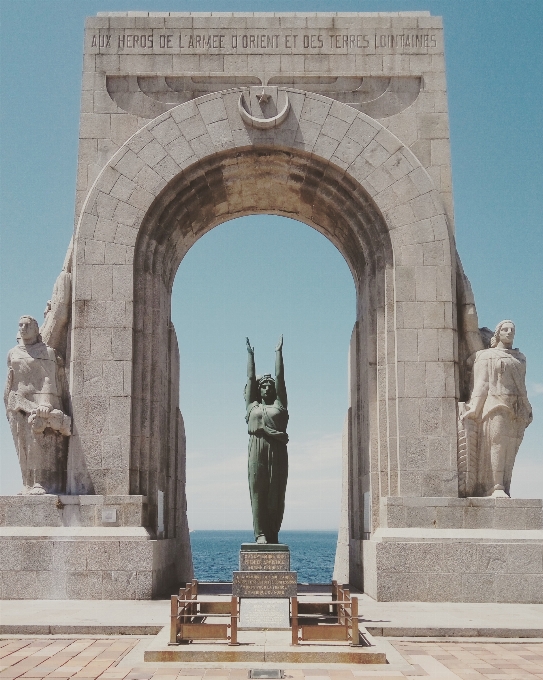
{"x":267,"y":418}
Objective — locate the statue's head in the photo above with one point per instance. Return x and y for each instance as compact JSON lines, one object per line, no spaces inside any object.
{"x":266,"y":388}
{"x":504,"y":334}
{"x":29,"y":331}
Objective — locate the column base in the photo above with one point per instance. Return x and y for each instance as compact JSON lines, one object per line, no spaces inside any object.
{"x":454,"y":565}
{"x":86,"y":548}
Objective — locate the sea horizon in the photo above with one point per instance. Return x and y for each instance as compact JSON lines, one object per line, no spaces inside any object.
{"x":215,"y":553}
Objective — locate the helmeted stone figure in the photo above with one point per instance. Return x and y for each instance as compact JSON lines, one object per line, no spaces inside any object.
{"x":267,"y":418}
{"x":499,"y":404}
{"x":36,"y":403}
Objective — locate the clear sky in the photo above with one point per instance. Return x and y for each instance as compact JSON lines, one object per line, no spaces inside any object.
{"x":262,"y":276}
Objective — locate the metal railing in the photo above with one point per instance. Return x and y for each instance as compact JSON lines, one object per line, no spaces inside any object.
{"x":188,"y":615}
{"x":335,"y":619}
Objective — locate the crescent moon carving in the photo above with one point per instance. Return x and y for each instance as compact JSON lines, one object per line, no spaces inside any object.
{"x":262,"y":123}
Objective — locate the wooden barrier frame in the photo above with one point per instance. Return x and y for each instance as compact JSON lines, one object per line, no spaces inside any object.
{"x":342,"y":609}
{"x":187,"y":616}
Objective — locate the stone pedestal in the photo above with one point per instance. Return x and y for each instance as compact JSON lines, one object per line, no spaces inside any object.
{"x":456,"y":550}
{"x":264,"y":585}
{"x":84,"y":548}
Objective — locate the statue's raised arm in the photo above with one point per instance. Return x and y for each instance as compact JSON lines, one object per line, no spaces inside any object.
{"x":280,"y":386}
{"x":250,"y":387}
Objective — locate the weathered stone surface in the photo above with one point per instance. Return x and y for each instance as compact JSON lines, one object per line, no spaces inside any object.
{"x":447,"y":565}
{"x":462,"y":513}
{"x":78,"y":511}
{"x":86,"y":565}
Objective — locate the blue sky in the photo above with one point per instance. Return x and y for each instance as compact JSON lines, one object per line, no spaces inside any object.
{"x":231,"y":283}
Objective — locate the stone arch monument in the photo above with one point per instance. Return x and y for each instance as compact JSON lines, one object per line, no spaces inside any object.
{"x":339,"y":121}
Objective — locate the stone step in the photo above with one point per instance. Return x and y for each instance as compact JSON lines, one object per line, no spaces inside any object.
{"x":262,"y":646}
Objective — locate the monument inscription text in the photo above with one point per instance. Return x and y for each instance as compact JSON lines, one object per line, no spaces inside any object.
{"x":264,"y":613}
{"x":264,"y":584}
{"x":264,"y":561}
{"x":230,"y":41}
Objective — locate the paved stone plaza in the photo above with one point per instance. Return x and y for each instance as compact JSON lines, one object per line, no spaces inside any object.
{"x":391,"y":619}
{"x":90,"y":658}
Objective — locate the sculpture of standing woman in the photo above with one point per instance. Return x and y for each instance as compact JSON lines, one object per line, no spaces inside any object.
{"x":267,"y":418}
{"x":500,"y":406}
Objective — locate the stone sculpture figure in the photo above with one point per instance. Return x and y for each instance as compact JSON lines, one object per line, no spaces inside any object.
{"x":36,"y":403}
{"x":267,"y":418}
{"x":500,"y":407}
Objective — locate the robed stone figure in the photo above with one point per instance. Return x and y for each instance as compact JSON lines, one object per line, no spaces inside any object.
{"x":267,"y":418}
{"x":36,"y":400}
{"x":500,"y":408}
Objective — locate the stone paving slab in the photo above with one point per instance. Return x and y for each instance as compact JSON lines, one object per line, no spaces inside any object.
{"x":87,"y":617}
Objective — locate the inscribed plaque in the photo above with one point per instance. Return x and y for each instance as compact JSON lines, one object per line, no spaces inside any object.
{"x":264,"y":584}
{"x":264,"y":613}
{"x":264,"y":561}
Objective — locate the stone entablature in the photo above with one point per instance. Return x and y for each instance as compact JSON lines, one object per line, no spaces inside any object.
{"x":391,"y":66}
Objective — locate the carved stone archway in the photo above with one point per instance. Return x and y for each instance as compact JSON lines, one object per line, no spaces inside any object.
{"x":327,"y":165}
{"x":339,"y":120}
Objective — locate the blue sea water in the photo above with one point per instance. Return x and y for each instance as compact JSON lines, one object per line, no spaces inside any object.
{"x":216,"y":553}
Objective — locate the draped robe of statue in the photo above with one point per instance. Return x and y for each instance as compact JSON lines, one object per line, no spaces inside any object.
{"x":503,"y":412}
{"x":36,"y":378}
{"x":268,"y":466}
